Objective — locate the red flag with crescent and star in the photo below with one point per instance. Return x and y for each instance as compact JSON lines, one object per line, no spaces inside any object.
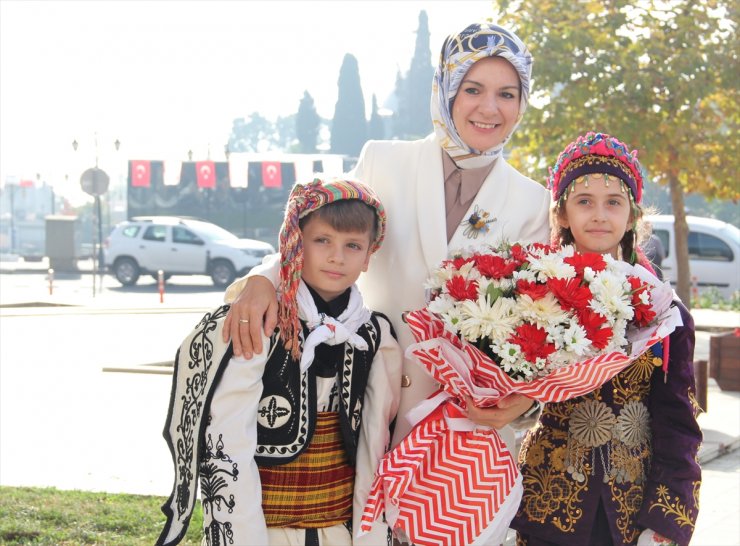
{"x":271,"y":175}
{"x":141,"y":173}
{"x":206,"y":173}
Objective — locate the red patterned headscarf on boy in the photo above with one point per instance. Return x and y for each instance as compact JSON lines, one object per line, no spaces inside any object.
{"x":303,"y":200}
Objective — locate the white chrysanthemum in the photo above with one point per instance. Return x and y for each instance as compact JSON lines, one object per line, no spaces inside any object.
{"x":611,"y":297}
{"x":619,"y":340}
{"x":535,"y":252}
{"x":612,"y":264}
{"x":540,"y":363}
{"x":588,"y":274}
{"x":551,"y":266}
{"x":508,"y":352}
{"x":451,"y":319}
{"x":644,"y":297}
{"x":441,"y":305}
{"x":466,"y":269}
{"x":439,"y":277}
{"x":483,"y":319}
{"x":525,"y":275}
{"x":555,"y":333}
{"x":561,"y":358}
{"x":483,"y":284}
{"x":544,"y":311}
{"x":506,"y":284}
{"x":575,"y":340}
{"x":518,"y":366}
{"x":566,"y":251}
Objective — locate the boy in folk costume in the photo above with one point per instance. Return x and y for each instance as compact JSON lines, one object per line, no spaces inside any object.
{"x":286,"y":443}
{"x":617,"y":466}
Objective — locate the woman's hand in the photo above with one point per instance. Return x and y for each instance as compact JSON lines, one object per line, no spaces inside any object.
{"x":500,"y":415}
{"x":256,"y":305}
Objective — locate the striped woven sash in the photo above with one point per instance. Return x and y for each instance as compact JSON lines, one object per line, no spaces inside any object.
{"x":315,"y":490}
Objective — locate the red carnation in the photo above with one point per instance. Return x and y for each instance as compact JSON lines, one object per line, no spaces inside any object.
{"x":460,"y":289}
{"x":457,"y":262}
{"x":534,"y":290}
{"x":569,"y":293}
{"x":540,"y":246}
{"x":494,"y":267}
{"x":519,"y":254}
{"x":532,"y":341}
{"x":581,"y":261}
{"x":592,"y":323}
{"x":643,"y":312}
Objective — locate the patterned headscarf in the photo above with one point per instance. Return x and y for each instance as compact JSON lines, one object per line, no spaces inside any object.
{"x":596,"y":153}
{"x":459,"y":52}
{"x":303,"y":200}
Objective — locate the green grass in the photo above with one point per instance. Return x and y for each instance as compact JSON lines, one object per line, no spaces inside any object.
{"x":32,"y":516}
{"x":711,"y":299}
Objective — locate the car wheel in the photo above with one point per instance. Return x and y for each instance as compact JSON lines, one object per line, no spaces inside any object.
{"x":222,"y":273}
{"x":126,"y":271}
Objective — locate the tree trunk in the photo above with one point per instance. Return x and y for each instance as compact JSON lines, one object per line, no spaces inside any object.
{"x":681,"y":233}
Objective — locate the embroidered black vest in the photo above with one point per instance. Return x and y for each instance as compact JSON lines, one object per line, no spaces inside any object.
{"x":287,"y":410}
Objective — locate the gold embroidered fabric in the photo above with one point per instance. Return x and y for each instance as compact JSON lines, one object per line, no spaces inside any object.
{"x":619,"y":443}
{"x":604,"y":434}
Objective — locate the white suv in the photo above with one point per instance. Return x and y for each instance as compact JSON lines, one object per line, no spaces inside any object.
{"x":179,"y":246}
{"x":714,"y":252}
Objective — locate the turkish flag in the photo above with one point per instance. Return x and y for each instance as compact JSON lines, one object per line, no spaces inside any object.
{"x":26,"y":184}
{"x":206,"y":173}
{"x":141,"y":173}
{"x":271,"y":177}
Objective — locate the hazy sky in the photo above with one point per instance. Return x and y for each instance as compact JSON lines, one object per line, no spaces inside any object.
{"x":164,"y":77}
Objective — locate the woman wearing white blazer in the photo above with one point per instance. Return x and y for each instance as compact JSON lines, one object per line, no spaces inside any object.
{"x":450,"y":190}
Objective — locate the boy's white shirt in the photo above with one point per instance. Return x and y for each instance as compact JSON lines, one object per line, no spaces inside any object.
{"x":242,"y":381}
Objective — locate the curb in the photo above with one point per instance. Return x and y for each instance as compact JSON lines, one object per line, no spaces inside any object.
{"x":719,"y":450}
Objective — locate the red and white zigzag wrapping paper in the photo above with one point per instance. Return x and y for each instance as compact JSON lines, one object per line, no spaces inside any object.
{"x":445,"y":482}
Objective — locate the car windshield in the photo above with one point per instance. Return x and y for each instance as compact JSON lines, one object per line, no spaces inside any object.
{"x":212,"y":232}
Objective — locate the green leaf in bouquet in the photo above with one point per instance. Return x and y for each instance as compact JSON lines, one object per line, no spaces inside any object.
{"x":493,"y":293}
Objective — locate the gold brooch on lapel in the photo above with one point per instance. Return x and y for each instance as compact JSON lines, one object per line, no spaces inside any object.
{"x":477,"y":223}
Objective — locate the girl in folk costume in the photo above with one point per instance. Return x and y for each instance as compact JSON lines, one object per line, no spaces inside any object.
{"x":285,"y":444}
{"x":617,"y":466}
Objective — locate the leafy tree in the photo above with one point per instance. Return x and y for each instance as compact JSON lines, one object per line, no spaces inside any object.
{"x":349,"y":127}
{"x":412,"y":120}
{"x":307,"y":123}
{"x":253,"y":134}
{"x":661,"y":76}
{"x":285,"y":137}
{"x":375,"y":127}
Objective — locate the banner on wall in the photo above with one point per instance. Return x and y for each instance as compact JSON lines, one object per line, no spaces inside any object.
{"x":205,"y":172}
{"x":271,"y":174}
{"x":141,"y":173}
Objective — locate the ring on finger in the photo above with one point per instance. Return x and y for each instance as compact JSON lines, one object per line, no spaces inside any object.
{"x":244,"y":320}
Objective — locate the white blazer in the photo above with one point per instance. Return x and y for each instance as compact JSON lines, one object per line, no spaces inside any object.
{"x":408,"y":178}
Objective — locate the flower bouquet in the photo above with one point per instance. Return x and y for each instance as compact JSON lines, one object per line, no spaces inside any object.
{"x":549,"y":323}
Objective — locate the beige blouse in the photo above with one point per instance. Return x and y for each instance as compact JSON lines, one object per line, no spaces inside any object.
{"x":461,"y":187}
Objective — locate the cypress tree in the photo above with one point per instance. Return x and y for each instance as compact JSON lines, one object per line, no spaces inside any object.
{"x":376,"y":127}
{"x":349,"y":127}
{"x":412,"y":118}
{"x":419,"y":83}
{"x":307,"y":124}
